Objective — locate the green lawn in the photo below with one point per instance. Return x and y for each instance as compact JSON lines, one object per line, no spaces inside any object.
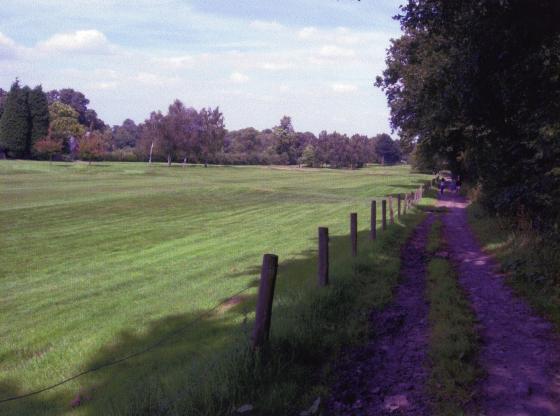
{"x":99,"y":261}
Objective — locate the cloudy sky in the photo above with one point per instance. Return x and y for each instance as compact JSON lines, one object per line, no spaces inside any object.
{"x":315,"y":60}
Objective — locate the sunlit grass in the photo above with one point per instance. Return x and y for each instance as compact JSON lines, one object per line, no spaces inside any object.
{"x":101,"y":260}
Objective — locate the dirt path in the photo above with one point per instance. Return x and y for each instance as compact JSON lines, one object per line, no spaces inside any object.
{"x":520,"y":352}
{"x":388,"y":375}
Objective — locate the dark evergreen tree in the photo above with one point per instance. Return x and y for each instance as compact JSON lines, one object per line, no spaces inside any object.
{"x":15,"y":126}
{"x":3,"y":95}
{"x":39,"y":112}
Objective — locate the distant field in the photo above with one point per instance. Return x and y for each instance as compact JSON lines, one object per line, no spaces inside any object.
{"x":94,"y":258}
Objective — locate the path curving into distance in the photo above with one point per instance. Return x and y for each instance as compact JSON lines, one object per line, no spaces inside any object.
{"x":520,"y":351}
{"x":387,"y":376}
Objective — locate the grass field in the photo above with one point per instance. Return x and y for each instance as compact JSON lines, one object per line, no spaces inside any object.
{"x":101,"y":261}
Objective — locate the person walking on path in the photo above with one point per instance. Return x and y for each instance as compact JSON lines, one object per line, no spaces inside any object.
{"x":441,"y":186}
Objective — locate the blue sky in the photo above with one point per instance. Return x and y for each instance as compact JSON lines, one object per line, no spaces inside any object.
{"x":314,"y":60}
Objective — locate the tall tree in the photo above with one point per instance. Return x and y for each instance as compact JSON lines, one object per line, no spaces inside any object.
{"x":477,"y":85}
{"x":39,"y":112}
{"x":3,"y":94}
{"x":387,"y":150}
{"x":15,"y":124}
{"x":213,"y":132}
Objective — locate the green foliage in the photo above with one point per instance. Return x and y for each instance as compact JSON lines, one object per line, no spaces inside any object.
{"x":476,"y":83}
{"x":15,"y":124}
{"x":39,"y":112}
{"x":308,"y":156}
{"x":64,"y":122}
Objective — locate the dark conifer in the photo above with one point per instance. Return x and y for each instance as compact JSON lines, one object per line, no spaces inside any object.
{"x":15,"y":124}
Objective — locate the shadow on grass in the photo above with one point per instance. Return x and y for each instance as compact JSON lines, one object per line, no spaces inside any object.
{"x":204,"y":365}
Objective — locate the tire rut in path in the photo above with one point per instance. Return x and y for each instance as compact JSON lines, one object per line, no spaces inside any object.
{"x":520,"y":351}
{"x":388,"y":375}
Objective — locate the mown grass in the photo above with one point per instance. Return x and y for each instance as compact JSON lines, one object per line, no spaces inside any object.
{"x":101,"y":261}
{"x":530,"y":262}
{"x":453,"y":339}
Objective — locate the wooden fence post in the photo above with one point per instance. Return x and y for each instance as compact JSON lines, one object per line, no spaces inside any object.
{"x":263,"y":316}
{"x":354,"y":233}
{"x":373,"y":221}
{"x":399,"y":199}
{"x":384,"y":215}
{"x":323,"y":258}
{"x":391,"y":210}
{"x":405,"y":203}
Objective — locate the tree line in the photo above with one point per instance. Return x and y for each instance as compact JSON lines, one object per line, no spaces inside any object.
{"x":476,"y":86}
{"x":60,"y":124}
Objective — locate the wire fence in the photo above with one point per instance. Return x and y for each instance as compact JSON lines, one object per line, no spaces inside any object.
{"x":143,"y":351}
{"x":414,"y":196}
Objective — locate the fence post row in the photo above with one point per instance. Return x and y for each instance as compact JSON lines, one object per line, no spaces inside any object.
{"x":323,"y":258}
{"x":391,"y":211}
{"x":373,"y":221}
{"x":399,"y":199}
{"x":384,"y":215}
{"x":354,"y":233}
{"x":263,"y":316}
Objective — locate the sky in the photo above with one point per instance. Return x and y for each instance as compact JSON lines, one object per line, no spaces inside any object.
{"x":258,"y":60}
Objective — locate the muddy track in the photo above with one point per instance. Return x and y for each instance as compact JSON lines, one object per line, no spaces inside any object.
{"x":520,"y":352}
{"x":388,"y":375}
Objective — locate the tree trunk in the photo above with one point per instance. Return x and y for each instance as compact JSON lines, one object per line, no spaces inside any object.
{"x":151,"y":150}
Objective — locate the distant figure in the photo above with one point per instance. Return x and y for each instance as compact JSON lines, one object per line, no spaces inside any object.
{"x":453,"y":186}
{"x":459,"y":183}
{"x":441,"y":186}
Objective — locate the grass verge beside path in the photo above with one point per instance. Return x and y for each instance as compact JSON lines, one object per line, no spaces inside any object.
{"x":453,"y":340}
{"x":102,"y":261}
{"x":309,"y":326}
{"x":530,"y":262}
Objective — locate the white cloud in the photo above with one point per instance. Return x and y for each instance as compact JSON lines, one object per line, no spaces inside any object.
{"x":80,"y":41}
{"x":104,"y":85}
{"x":307,"y":33}
{"x":152,"y":79}
{"x":266,"y":25}
{"x":333,"y":51}
{"x":275,"y":66}
{"x":175,"y":62}
{"x":238,"y":78}
{"x":344,"y":88}
{"x":8,"y":48}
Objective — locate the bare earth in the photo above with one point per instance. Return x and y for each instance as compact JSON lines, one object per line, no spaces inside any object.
{"x":520,"y":352}
{"x":388,"y":375}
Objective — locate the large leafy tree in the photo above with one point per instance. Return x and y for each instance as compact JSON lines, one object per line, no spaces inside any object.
{"x":477,"y":85}
{"x":126,"y":135}
{"x":212,"y":132}
{"x":64,"y":122}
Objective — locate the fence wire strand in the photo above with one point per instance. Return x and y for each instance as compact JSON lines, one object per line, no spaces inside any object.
{"x":147,"y":349}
